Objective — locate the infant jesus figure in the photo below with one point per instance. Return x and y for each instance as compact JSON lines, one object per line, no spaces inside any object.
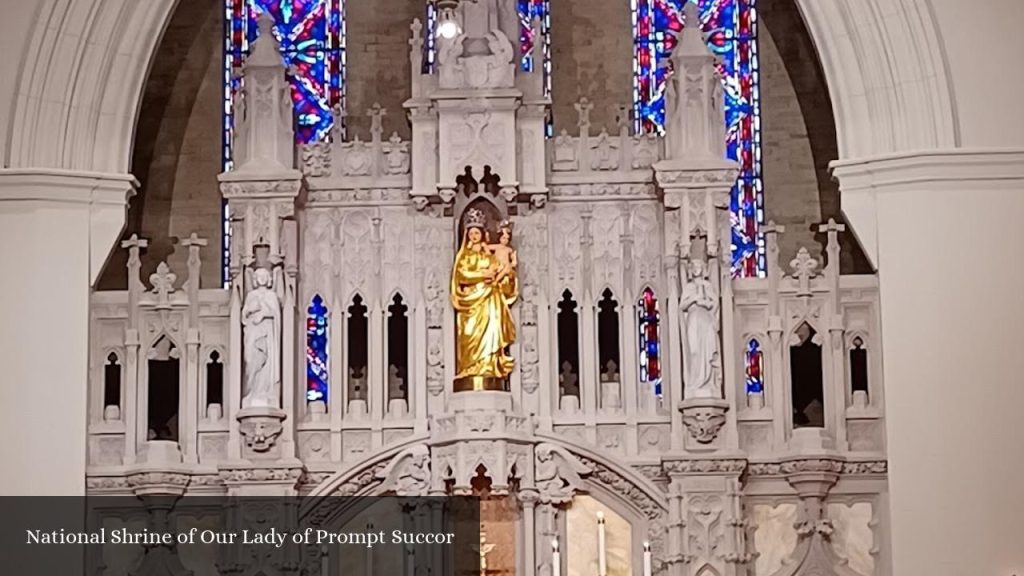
{"x":507,"y":261}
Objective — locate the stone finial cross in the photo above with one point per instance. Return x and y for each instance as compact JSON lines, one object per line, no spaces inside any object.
{"x":194,"y":243}
{"x":133,"y":244}
{"x":832,"y":229}
{"x":583,"y":107}
{"x":339,"y":112}
{"x":772,"y":228}
{"x":771,"y":232}
{"x":417,"y":33}
{"x":376,"y":114}
{"x":623,"y":118}
{"x":803,"y":267}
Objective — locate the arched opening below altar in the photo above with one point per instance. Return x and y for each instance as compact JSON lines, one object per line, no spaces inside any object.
{"x":583,"y":541}
{"x":500,"y":527}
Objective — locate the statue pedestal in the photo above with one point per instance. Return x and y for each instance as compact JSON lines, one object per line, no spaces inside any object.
{"x":260,"y":428}
{"x":480,"y":384}
{"x":485,"y":400}
{"x":482,"y":429}
{"x":703,"y":418}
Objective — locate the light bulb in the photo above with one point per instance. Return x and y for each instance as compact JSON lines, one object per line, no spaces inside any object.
{"x":447,"y":22}
{"x":448,"y":29}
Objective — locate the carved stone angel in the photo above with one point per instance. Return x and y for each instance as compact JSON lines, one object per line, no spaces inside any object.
{"x":409,"y":473}
{"x":557,"y":473}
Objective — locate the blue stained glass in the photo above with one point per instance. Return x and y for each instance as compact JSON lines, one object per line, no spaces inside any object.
{"x":430,"y":39}
{"x":316,"y":351}
{"x":528,"y":11}
{"x":730,"y":29}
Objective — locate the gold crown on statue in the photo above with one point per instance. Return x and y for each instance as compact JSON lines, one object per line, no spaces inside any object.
{"x":475,"y":218}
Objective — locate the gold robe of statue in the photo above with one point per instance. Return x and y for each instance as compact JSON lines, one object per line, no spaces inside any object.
{"x":484,"y":326}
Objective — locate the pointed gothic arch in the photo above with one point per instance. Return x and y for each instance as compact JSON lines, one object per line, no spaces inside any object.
{"x":492,"y":206}
{"x":618,"y":485}
{"x":165,"y":379}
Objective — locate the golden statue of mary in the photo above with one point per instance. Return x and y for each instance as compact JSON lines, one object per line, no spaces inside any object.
{"x":483,"y":288}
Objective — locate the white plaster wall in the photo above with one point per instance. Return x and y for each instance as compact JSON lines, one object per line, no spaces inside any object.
{"x":44,"y":295}
{"x":984,"y":45}
{"x":952,"y":309}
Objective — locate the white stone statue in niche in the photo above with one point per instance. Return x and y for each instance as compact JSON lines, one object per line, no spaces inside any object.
{"x":699,"y":304}
{"x":261,"y":318}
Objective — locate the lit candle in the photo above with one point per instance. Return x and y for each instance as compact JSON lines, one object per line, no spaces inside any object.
{"x":556,"y":559}
{"x":647,"y":559}
{"x":369,"y":552}
{"x":602,"y":562}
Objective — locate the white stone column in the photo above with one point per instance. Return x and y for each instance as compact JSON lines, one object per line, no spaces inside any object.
{"x":56,"y":230}
{"x":944,"y":230}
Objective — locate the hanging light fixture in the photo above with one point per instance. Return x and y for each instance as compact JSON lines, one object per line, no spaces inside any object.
{"x":447,"y":22}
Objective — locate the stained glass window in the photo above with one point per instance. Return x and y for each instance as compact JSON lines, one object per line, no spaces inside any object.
{"x":650,"y":341}
{"x":430,"y":38}
{"x":316,"y":351}
{"x":755,"y":368}
{"x":312,"y":37}
{"x":528,"y":11}
{"x":730,"y":28}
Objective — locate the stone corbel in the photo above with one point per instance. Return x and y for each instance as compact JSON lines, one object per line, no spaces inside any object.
{"x":509,"y":192}
{"x":813,"y":478}
{"x":161,"y":558}
{"x":260,"y":428}
{"x":704,"y":418}
{"x":447,"y":194}
{"x":420,"y":203}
